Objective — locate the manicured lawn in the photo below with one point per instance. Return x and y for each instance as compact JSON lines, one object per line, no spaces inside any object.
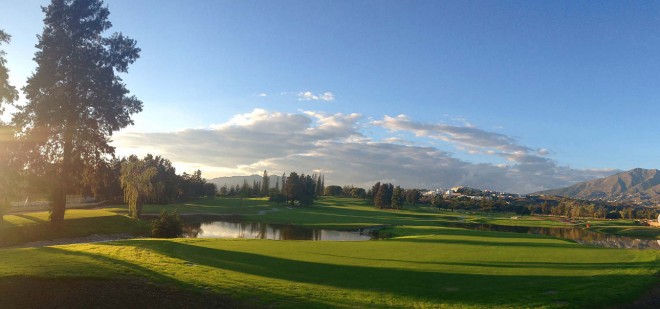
{"x":346,"y":213}
{"x":432,"y":267}
{"x":428,"y":264}
{"x":20,"y":228}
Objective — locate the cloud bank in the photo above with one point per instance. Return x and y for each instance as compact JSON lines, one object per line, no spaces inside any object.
{"x":336,"y":145}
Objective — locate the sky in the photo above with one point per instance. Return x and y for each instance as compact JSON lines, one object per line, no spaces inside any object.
{"x":517,"y":96}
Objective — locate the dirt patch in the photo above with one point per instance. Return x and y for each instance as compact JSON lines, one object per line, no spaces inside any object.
{"x":28,"y":292}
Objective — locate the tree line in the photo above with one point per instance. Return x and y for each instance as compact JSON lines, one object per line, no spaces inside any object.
{"x":538,"y":205}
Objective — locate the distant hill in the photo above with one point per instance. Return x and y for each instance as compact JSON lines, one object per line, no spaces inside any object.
{"x":639,"y":186}
{"x":238,"y":180}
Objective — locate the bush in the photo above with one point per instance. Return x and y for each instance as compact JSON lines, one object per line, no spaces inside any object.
{"x":277,"y":198}
{"x":167,"y":226}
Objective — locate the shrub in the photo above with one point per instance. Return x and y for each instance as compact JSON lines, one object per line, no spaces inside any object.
{"x":167,"y":225}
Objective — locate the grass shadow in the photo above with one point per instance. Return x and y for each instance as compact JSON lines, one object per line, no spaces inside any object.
{"x":431,"y":287}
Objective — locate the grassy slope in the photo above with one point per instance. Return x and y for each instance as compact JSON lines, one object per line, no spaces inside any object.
{"x":19,"y":228}
{"x":430,"y":266}
{"x":452,"y":267}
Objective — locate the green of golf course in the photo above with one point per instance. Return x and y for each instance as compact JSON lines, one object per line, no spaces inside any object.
{"x":426,"y":264}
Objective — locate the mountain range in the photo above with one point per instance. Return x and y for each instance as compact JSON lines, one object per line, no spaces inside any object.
{"x":639,"y":186}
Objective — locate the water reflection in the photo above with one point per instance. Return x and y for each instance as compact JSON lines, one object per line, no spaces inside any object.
{"x":226,"y":229}
{"x":576,"y":234}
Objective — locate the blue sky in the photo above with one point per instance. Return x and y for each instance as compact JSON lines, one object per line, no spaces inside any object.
{"x":512,"y":95}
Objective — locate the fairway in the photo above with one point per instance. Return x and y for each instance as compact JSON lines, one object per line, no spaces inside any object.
{"x":426,"y":264}
{"x":452,"y":268}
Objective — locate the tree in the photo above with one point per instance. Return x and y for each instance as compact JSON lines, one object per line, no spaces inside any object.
{"x":265,"y":184}
{"x":358,"y":193}
{"x":319,"y":186}
{"x":333,"y":190}
{"x":8,"y":158}
{"x":383,"y":196}
{"x":307,"y":191}
{"x":8,"y":93}
{"x":374,"y":192}
{"x":137,"y":180}
{"x":75,"y":99}
{"x":292,"y":187}
{"x":412,"y":196}
{"x":210,"y":189}
{"x":397,"y":198}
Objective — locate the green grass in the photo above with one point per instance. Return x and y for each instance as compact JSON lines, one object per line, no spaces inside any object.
{"x":26,"y":227}
{"x":343,"y":213}
{"x":446,"y":268}
{"x":427,"y":265}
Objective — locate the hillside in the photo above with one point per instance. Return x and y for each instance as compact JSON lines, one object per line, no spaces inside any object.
{"x":639,"y":186}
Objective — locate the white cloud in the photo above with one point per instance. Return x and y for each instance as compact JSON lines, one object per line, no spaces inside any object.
{"x":262,"y":95}
{"x":467,"y":138}
{"x":311,"y":141}
{"x":309,"y":96}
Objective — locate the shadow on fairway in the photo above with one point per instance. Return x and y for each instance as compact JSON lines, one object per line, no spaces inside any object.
{"x":426,"y":287}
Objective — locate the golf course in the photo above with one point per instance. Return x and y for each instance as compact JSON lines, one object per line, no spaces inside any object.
{"x":425,"y":262}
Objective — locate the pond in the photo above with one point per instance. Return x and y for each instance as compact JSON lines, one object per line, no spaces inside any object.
{"x":256,"y":230}
{"x":206,"y":228}
{"x":576,"y":234}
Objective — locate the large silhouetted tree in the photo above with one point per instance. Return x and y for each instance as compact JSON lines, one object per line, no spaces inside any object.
{"x":75,"y":99}
{"x":265,"y":184}
{"x":8,"y":164}
{"x":8,"y":93}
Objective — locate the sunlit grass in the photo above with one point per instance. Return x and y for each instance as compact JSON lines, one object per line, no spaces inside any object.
{"x":450,"y":267}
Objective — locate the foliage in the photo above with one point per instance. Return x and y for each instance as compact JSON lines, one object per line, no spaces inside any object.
{"x":75,"y":99}
{"x":300,"y":188}
{"x":9,"y":170}
{"x":138,"y":182}
{"x":167,"y":225}
{"x":8,"y":93}
{"x":265,"y":184}
{"x":333,"y":191}
{"x":397,"y":198}
{"x":277,"y":198}
{"x":383,"y":195}
{"x":8,"y":158}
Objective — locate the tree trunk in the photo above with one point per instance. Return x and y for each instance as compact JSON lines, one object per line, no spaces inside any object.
{"x":138,"y":208}
{"x":59,"y":193}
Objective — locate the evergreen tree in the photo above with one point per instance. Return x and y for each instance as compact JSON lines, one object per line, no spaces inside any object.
{"x":292,"y":187}
{"x":8,"y":93}
{"x":256,"y":188}
{"x":397,"y":198}
{"x":9,"y":169}
{"x":75,"y":99}
{"x":265,"y":184}
{"x":319,"y":187}
{"x":374,"y":192}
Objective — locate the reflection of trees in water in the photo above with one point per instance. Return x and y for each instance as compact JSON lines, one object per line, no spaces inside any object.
{"x":571,"y":233}
{"x":256,"y":230}
{"x":191,"y":231}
